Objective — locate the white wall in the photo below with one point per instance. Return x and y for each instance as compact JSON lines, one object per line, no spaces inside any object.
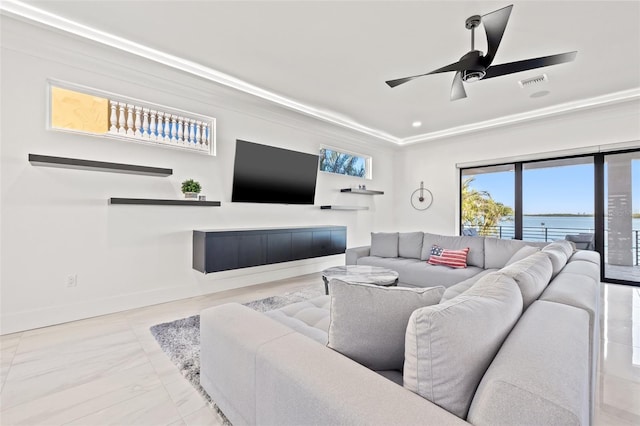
{"x":56,"y":222}
{"x":435,"y":162}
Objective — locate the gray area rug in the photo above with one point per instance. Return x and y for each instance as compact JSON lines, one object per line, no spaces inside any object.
{"x":180,"y":339}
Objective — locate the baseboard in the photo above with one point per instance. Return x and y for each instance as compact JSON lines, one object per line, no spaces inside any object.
{"x":205,"y":284}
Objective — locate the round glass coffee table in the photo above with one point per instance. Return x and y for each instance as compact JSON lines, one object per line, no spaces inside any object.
{"x":360,"y":274}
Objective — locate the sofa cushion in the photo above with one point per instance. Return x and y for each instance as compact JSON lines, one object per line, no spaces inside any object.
{"x":309,"y":317}
{"x":424,"y":275}
{"x":532,"y":274}
{"x":497,"y":251}
{"x":583,"y":267}
{"x":580,"y":290}
{"x":538,"y":377}
{"x":564,"y":245}
{"x":450,"y":258}
{"x":475,"y":244}
{"x":384,"y":244}
{"x":558,"y":258}
{"x":410,"y":244}
{"x":368,"y":322}
{"x":394,"y":375}
{"x":587,"y":256}
{"x":461,"y":287}
{"x":449,"y":346}
{"x":393,"y":263}
{"x":524,"y":251}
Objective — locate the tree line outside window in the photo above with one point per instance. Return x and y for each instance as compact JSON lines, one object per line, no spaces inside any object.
{"x":343,"y":163}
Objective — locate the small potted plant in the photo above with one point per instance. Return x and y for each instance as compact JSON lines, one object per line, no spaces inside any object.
{"x":191,"y":188}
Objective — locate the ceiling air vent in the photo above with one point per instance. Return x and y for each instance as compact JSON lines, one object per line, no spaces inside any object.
{"x":533,"y":80}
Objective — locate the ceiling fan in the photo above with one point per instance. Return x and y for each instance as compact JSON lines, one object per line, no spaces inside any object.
{"x":474,"y":66}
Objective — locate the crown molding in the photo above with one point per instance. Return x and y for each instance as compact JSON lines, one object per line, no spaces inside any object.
{"x":20,"y":9}
{"x":23,"y":10}
{"x":598,"y":101}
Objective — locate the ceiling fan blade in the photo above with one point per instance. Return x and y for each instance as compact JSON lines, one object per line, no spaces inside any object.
{"x":494,"y":25}
{"x":528,"y":64}
{"x":456,"y":66}
{"x":457,"y":88}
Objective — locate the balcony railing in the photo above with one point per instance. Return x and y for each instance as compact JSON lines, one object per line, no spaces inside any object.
{"x":547,"y":234}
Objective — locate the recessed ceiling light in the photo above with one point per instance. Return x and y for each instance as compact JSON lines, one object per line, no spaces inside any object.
{"x":416,"y":123}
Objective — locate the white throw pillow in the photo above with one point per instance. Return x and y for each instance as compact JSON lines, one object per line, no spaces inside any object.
{"x":368,"y":322}
{"x":448,"y":347}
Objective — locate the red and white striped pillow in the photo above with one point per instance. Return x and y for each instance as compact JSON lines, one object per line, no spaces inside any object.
{"x":446,"y":257}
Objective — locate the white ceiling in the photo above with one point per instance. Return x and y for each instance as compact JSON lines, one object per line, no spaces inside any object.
{"x":334,"y":56}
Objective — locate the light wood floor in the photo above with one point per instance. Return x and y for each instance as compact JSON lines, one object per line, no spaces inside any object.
{"x":110,"y":370}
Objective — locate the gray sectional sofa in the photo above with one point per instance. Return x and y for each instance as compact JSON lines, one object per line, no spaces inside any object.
{"x":515,"y":343}
{"x":406,"y":253}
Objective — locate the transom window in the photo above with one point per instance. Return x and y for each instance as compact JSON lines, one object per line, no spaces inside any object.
{"x":345,"y":163}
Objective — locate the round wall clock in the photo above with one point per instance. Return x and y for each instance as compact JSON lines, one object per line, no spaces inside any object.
{"x":421,"y":198}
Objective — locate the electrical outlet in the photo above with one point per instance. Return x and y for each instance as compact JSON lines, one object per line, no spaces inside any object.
{"x":72,"y":280}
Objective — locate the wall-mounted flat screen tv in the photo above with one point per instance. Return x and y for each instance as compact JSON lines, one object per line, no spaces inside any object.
{"x":265,"y":174}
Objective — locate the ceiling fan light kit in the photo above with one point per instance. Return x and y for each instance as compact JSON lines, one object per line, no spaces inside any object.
{"x":474,"y":66}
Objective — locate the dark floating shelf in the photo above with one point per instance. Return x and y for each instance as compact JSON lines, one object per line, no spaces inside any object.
{"x":102,"y":166}
{"x":332,"y":207}
{"x":156,"y":202}
{"x":362,"y":191}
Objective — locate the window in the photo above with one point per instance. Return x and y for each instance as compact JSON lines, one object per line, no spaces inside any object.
{"x":558,"y":200}
{"x":343,"y":163}
{"x":85,"y":110}
{"x":591,"y":200}
{"x":487,"y":201}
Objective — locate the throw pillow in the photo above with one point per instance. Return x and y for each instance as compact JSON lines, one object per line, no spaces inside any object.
{"x":498,"y":251}
{"x":368,"y":322}
{"x":410,"y":245}
{"x":475,"y":244}
{"x":532,"y":275}
{"x":558,"y":256}
{"x":449,"y":346}
{"x":565,"y":246}
{"x":457,"y":289}
{"x":384,"y":244}
{"x":525,"y":251}
{"x":446,"y":257}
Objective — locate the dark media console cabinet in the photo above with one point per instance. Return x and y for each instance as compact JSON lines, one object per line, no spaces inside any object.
{"x":222,"y":250}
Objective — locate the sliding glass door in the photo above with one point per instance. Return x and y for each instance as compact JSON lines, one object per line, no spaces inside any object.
{"x":558,"y":201}
{"x":621,"y":216}
{"x":487,"y":200}
{"x":592,"y":200}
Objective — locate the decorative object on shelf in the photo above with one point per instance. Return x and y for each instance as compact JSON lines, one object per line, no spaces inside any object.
{"x":85,"y":110}
{"x":421,"y":198}
{"x":202,"y":198}
{"x":191,"y":189}
{"x":100,"y":166}
{"x":363,"y":190}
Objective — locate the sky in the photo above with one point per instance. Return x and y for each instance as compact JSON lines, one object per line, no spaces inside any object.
{"x":567,"y":189}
